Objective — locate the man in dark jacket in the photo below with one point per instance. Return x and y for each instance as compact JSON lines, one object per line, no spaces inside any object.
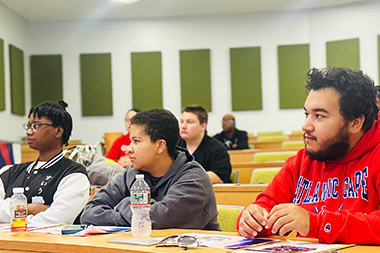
{"x":179,"y":186}
{"x":231,"y":137}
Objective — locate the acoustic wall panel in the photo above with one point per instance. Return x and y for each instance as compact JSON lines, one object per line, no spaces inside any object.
{"x":16,"y":61}
{"x":343,"y":53}
{"x":293,"y":65}
{"x":146,"y":80}
{"x":2,"y":77}
{"x":195,"y":78}
{"x":96,"y":84}
{"x":46,"y":78}
{"x":246,"y":78}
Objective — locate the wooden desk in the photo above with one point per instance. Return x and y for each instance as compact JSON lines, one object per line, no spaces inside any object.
{"x":237,"y":195}
{"x":246,"y":169}
{"x":247,"y":155}
{"x":39,"y":242}
{"x":267,"y":144}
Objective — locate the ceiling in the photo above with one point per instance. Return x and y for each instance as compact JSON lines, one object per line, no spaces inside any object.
{"x":69,"y":10}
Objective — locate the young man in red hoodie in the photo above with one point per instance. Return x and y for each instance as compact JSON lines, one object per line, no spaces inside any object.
{"x":330,"y":190}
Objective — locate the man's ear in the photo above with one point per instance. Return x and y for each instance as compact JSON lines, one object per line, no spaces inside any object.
{"x":161,"y":146}
{"x":356,"y":124}
{"x":204,"y":126}
{"x":59,"y":132}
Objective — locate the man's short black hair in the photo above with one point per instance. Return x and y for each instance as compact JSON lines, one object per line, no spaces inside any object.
{"x":357,"y":92}
{"x":57,"y":114}
{"x":159,"y":124}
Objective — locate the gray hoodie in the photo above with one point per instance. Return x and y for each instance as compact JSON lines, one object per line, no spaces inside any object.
{"x":182,"y":198}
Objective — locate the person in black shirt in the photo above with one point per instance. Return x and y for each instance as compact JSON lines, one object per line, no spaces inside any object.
{"x":210,"y":153}
{"x":230,"y":136}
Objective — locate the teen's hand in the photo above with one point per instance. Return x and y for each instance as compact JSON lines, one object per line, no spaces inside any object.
{"x":287,"y":217}
{"x":252,"y":221}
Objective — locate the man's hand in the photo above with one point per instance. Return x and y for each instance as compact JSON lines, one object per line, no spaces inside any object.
{"x":252,"y":221}
{"x":287,"y":217}
{"x":36,"y":208}
{"x":124,"y":161}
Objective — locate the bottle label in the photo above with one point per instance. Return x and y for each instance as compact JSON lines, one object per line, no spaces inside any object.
{"x":140,"y":199}
{"x":20,"y":212}
{"x":19,"y":221}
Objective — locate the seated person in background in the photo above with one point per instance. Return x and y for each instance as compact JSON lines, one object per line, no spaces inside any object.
{"x":119,"y":149}
{"x":210,"y":153}
{"x":57,"y":188}
{"x":230,"y":136}
{"x":377,"y":87}
{"x":330,"y":189}
{"x":179,"y":186}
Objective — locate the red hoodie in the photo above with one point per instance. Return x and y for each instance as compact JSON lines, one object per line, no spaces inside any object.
{"x":342,"y":196}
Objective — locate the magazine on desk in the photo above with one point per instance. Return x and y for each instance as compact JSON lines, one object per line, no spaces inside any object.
{"x":227,"y":242}
{"x":295,"y":247}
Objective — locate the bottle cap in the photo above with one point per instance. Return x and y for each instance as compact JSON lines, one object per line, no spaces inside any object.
{"x":140,"y":176}
{"x":18,"y":190}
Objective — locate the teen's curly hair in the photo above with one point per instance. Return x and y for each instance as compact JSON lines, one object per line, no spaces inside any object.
{"x":159,"y":124}
{"x":357,"y":91}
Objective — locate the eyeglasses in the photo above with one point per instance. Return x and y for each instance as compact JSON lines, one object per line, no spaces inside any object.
{"x":35,"y":126}
{"x":229,"y":121}
{"x":128,"y":120}
{"x":184,"y":241}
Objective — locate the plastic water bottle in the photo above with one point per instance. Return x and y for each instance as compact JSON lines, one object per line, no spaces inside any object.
{"x":140,"y":205}
{"x":18,"y":210}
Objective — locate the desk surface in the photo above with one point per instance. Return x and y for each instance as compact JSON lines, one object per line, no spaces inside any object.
{"x":39,"y":242}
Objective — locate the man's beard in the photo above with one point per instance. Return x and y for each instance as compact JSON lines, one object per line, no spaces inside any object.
{"x":333,"y":148}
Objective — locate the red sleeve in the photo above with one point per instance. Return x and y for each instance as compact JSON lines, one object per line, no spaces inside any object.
{"x":115,"y":152}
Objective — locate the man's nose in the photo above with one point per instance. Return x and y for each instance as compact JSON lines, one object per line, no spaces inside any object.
{"x":307,"y":125}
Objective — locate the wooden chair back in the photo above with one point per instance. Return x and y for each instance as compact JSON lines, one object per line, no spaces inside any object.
{"x":109,"y":138}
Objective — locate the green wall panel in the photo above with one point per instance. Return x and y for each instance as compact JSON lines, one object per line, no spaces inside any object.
{"x":343,"y":53}
{"x":46,"y":78}
{"x":2,"y":77}
{"x":293,"y":65}
{"x":146,"y":80}
{"x":195,"y":78}
{"x":16,"y":60}
{"x":246,"y":78}
{"x":96,"y":84}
